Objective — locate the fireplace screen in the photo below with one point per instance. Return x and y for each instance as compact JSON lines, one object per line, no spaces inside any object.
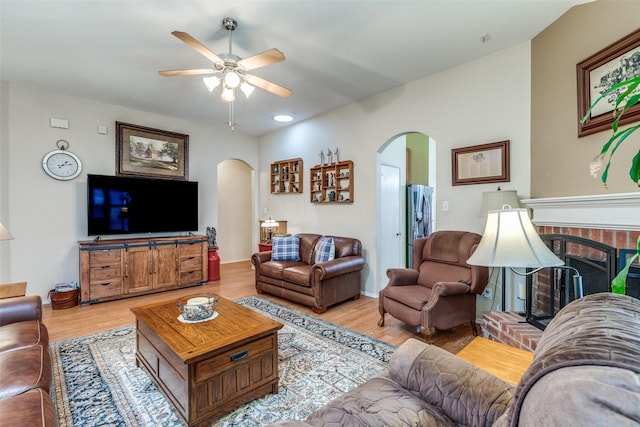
{"x":550,"y":289}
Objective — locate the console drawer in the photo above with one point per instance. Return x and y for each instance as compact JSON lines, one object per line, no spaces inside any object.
{"x":105,"y":272}
{"x":106,"y":256}
{"x":190,"y":263}
{"x":106,"y":288}
{"x":188,"y":249}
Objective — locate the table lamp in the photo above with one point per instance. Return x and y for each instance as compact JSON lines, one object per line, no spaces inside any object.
{"x":4,"y":233}
{"x":510,"y":240}
{"x":269,"y":224}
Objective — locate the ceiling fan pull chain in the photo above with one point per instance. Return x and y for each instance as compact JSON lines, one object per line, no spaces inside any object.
{"x":232,"y":125}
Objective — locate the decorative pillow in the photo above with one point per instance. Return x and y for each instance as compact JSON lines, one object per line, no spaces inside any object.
{"x":285,"y":248}
{"x":325,"y":249}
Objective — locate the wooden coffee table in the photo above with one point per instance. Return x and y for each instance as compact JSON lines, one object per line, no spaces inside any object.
{"x":207,"y":369}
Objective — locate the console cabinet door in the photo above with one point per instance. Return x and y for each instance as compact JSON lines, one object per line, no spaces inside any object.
{"x":165,"y":266}
{"x":138,"y":269}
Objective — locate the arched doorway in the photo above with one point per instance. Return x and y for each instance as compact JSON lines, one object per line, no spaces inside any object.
{"x":235,"y":208}
{"x":407,"y":158}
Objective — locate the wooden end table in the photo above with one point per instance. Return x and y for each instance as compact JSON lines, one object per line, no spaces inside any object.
{"x":207,"y":369}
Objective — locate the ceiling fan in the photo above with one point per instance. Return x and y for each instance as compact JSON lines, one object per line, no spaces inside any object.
{"x":230,"y":70}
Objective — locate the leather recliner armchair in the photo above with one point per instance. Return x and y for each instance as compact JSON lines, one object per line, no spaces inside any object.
{"x":440,"y":291}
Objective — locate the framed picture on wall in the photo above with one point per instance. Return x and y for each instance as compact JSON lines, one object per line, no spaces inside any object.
{"x":480,"y":164}
{"x":617,"y":62}
{"x":148,"y":152}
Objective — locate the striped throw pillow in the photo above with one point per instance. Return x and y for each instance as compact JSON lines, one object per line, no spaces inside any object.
{"x":325,"y":249}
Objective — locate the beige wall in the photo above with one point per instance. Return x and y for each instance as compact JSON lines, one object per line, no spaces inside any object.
{"x":559,"y":159}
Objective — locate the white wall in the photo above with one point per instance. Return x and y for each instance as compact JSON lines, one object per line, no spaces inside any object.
{"x":483,"y":101}
{"x":48,"y":217}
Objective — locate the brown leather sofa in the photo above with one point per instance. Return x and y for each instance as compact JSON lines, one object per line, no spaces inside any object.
{"x":25,"y":366}
{"x":305,"y":282}
{"x":585,"y":372}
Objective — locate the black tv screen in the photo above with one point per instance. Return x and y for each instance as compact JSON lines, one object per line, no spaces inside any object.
{"x":124,"y":205}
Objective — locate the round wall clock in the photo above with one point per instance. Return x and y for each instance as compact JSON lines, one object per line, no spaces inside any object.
{"x":62,"y":164}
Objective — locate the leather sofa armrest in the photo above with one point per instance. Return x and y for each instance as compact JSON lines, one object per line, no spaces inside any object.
{"x":337,"y":267}
{"x":260,"y":257}
{"x":402,"y":276}
{"x":20,"y":309}
{"x":467,"y":394}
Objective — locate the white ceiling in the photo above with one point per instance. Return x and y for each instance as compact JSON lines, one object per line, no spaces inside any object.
{"x":338,"y":52}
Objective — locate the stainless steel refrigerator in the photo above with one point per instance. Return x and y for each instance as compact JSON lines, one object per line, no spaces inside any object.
{"x":419,"y":216}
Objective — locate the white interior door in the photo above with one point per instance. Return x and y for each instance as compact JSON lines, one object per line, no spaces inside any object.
{"x":390,"y":220}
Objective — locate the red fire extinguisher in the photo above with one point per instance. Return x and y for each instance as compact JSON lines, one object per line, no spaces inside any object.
{"x":214,"y":265}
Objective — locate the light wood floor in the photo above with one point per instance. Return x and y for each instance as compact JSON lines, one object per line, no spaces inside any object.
{"x":237,"y":280}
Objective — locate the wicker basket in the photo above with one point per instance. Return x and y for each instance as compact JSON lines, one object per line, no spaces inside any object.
{"x":63,"y":299}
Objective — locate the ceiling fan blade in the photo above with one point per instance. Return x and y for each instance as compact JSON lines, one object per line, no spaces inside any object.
{"x":268,"y":86}
{"x":268,"y":57}
{"x":199,"y":47}
{"x":192,"y":72}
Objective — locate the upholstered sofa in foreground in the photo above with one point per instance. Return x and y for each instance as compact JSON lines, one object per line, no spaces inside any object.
{"x":585,"y":372}
{"x":25,"y":367}
{"x":298,"y":274}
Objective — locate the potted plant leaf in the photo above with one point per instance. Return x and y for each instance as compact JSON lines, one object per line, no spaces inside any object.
{"x":625,"y":100}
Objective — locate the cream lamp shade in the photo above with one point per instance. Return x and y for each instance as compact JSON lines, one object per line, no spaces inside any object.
{"x":270,"y":223}
{"x":4,"y":233}
{"x":511,"y":240}
{"x":494,"y":200}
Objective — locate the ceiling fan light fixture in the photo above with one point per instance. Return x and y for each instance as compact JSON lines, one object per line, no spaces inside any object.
{"x":231,"y":79}
{"x":247,"y":89}
{"x":282,"y":118}
{"x":228,"y":95}
{"x":230,"y":70}
{"x":211,"y":82}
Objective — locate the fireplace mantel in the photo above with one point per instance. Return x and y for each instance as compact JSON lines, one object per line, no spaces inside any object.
{"x":619,"y":211}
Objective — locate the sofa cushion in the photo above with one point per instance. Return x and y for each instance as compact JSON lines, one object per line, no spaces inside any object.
{"x":325,"y":249}
{"x":415,"y":296}
{"x":299,"y":274}
{"x":32,"y":408}
{"x":275,"y":268}
{"x":285,"y":248}
{"x":24,"y":369}
{"x":23,"y":334}
{"x":379,"y":402}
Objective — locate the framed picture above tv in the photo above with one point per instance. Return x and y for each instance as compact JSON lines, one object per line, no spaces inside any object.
{"x":147,"y":152}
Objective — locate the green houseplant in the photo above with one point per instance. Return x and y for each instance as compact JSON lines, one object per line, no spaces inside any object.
{"x":625,"y":100}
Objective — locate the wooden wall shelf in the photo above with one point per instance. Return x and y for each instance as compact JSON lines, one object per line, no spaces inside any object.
{"x":286,"y":176}
{"x":332,"y":183}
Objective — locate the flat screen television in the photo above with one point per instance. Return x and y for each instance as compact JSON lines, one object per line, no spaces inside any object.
{"x":127,"y":205}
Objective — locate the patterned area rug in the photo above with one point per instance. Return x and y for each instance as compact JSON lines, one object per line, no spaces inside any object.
{"x":97,"y":383}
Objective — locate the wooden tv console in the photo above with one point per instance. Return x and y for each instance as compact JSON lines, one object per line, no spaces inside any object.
{"x":121,"y":268}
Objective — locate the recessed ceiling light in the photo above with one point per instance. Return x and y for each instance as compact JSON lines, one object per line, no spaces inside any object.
{"x":282,"y":118}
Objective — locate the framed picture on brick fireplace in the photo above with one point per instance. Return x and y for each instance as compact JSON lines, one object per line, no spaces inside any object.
{"x":617,"y":62}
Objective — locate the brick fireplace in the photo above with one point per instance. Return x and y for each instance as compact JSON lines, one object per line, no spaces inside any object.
{"x":610,"y":219}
